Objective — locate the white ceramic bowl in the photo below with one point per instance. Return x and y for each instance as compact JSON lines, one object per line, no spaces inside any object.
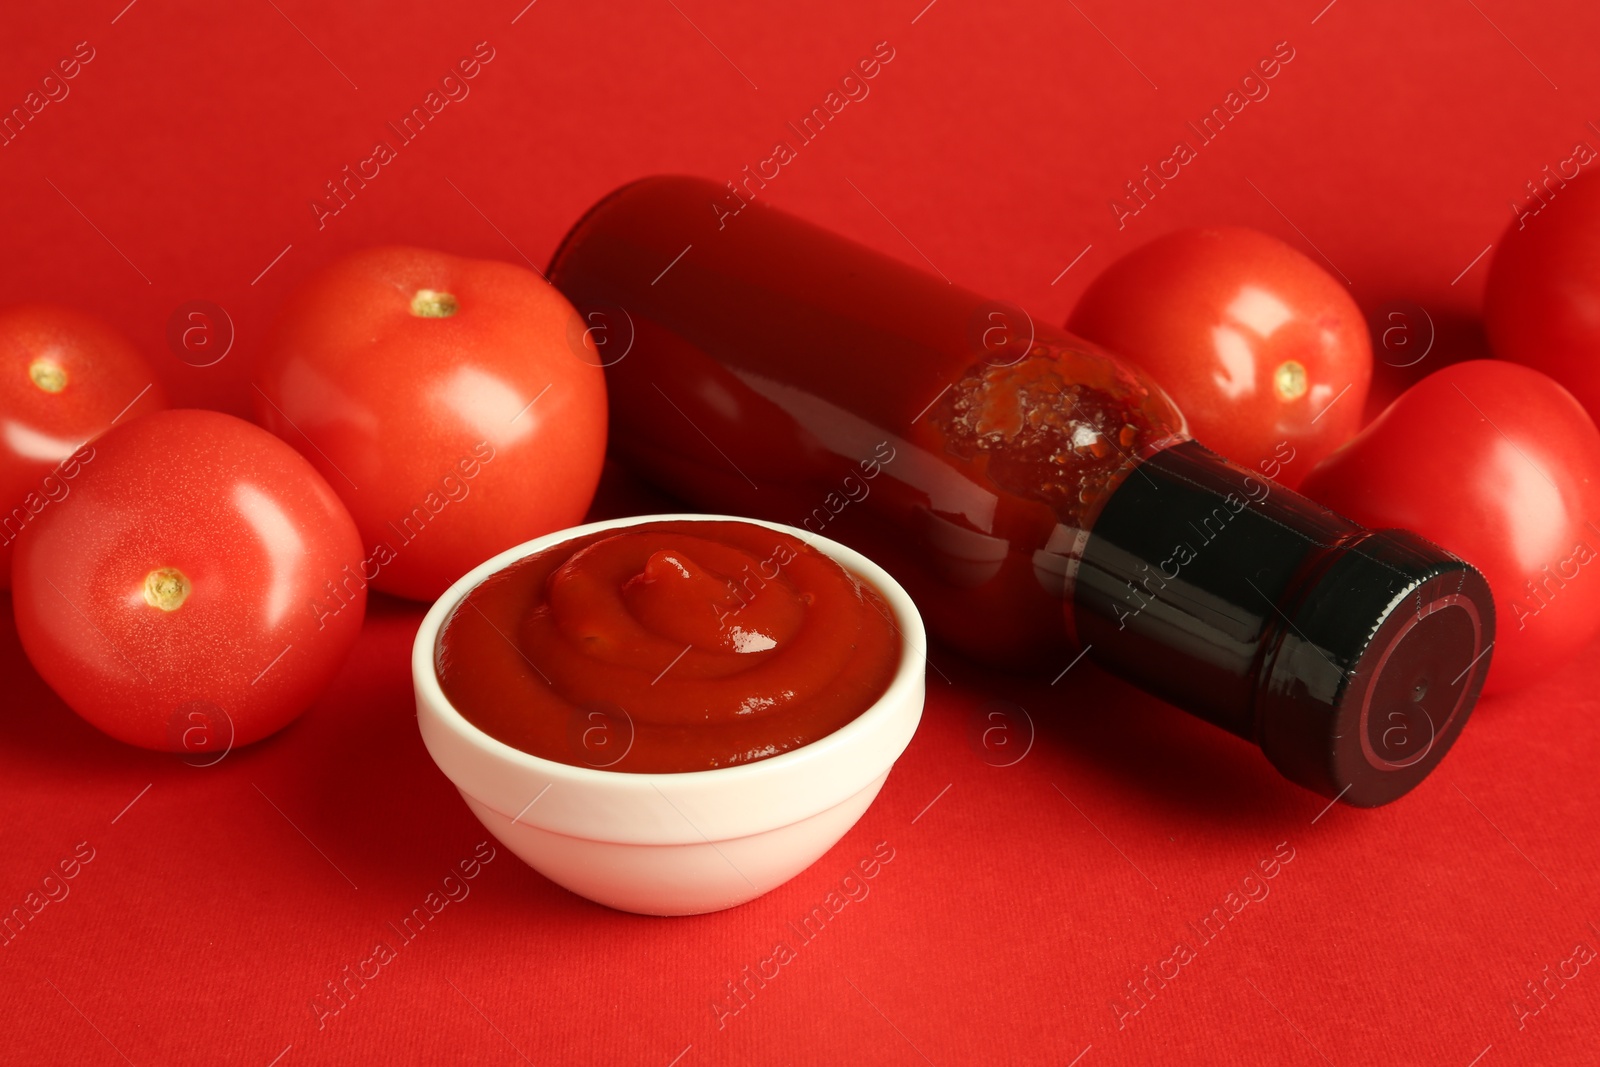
{"x":674,"y":844}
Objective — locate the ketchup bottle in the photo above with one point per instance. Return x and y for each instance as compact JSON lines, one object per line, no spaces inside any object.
{"x":1039,"y":498}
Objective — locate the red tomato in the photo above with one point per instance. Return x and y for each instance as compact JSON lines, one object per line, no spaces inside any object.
{"x":1542,"y":304}
{"x":194,"y":581}
{"x":1265,"y":352}
{"x":457,"y":406}
{"x":65,"y":377}
{"x":1500,"y":465}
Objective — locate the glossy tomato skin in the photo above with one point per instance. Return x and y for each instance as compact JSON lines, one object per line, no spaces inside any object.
{"x":243,"y":538}
{"x":1500,"y":465}
{"x":1542,"y":303}
{"x":65,"y":377}
{"x":1264,"y":351}
{"x":452,"y":434}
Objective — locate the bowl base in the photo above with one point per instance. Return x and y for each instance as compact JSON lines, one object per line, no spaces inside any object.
{"x":687,"y":879}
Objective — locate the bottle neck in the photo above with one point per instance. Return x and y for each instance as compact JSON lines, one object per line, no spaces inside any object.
{"x":1187,"y":573}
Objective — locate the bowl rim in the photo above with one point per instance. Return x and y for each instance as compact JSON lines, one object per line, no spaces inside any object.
{"x":907,"y":684}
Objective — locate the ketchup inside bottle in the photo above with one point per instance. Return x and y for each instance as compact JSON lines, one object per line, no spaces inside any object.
{"x":969,"y":454}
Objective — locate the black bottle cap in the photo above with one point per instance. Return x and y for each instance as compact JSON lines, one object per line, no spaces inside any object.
{"x":1376,"y":669}
{"x":1352,"y":657}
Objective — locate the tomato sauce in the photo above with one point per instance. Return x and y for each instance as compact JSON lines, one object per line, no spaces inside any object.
{"x":675,"y":645}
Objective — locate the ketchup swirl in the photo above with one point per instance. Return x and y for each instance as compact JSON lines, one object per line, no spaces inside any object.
{"x":677,"y":645}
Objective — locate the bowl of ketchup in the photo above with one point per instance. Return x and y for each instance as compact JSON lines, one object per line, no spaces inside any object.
{"x":670,"y":714}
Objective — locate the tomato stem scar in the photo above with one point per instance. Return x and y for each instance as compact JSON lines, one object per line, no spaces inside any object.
{"x":48,"y":375}
{"x":432,"y":304}
{"x":166,"y":588}
{"x":1289,"y":380}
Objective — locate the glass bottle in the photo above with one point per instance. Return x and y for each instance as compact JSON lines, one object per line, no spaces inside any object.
{"x":1038,"y":497}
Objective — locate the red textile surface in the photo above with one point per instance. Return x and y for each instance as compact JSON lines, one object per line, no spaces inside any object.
{"x":1020,"y":900}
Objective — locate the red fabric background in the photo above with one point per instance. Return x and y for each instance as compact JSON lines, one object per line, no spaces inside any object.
{"x":1026,"y":897}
